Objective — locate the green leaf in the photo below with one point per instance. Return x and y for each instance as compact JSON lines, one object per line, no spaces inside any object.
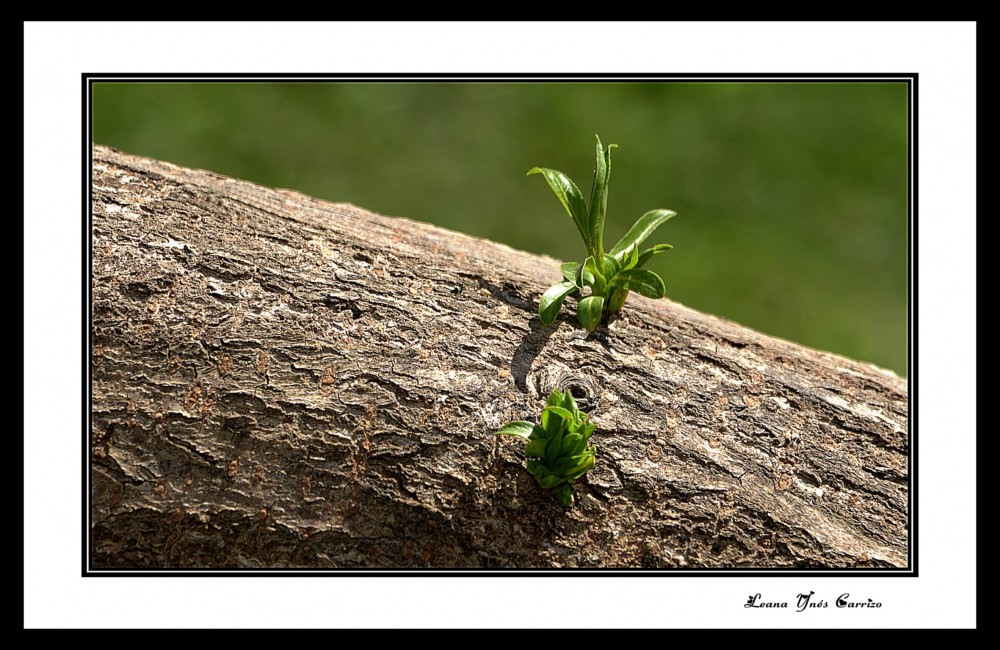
{"x":633,"y":258}
{"x":542,"y":474}
{"x":585,"y":459}
{"x":535,"y":448}
{"x":548,"y":480}
{"x":555,"y":399}
{"x":562,"y":466}
{"x":581,"y":469}
{"x":627,"y":258}
{"x":641,"y":229}
{"x":617,"y":300}
{"x":552,"y":300}
{"x":555,"y":419}
{"x":565,"y":495}
{"x":588,"y":312}
{"x":599,"y":196}
{"x":611,"y":266}
{"x":570,"y":196}
{"x":571,"y":271}
{"x":518,"y":428}
{"x":569,"y":443}
{"x":552,"y":448}
{"x":570,"y":405}
{"x":559,"y":411}
{"x":592,"y":277}
{"x":641,"y":281}
{"x":647,"y":254}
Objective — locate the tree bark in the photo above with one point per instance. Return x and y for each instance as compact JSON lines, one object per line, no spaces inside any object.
{"x":283,"y":382}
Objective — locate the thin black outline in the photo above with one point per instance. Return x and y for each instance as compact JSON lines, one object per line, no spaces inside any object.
{"x":911,"y":80}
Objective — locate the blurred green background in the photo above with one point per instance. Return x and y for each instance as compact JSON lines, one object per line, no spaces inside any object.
{"x":791,"y":197}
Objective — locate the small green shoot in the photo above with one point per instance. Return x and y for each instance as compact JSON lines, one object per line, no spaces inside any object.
{"x":558,"y":446}
{"x":609,"y":275}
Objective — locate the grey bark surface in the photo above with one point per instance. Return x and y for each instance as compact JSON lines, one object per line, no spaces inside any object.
{"x":283,"y":382}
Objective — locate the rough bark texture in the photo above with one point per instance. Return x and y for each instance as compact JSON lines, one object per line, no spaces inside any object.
{"x":283,"y":382}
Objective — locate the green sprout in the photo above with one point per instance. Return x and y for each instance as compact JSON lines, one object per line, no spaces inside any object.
{"x":610,"y":276}
{"x":558,"y":445}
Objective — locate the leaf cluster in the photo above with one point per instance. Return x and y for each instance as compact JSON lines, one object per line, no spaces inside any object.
{"x":558,"y":446}
{"x":608,"y":275}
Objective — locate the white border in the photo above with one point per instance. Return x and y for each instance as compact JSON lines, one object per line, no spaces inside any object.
{"x":56,"y":54}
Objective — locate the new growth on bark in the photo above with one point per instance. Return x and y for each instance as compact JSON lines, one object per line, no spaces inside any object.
{"x":282,"y":382}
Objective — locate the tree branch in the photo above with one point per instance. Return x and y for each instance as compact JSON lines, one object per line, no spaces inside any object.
{"x":283,"y":382}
